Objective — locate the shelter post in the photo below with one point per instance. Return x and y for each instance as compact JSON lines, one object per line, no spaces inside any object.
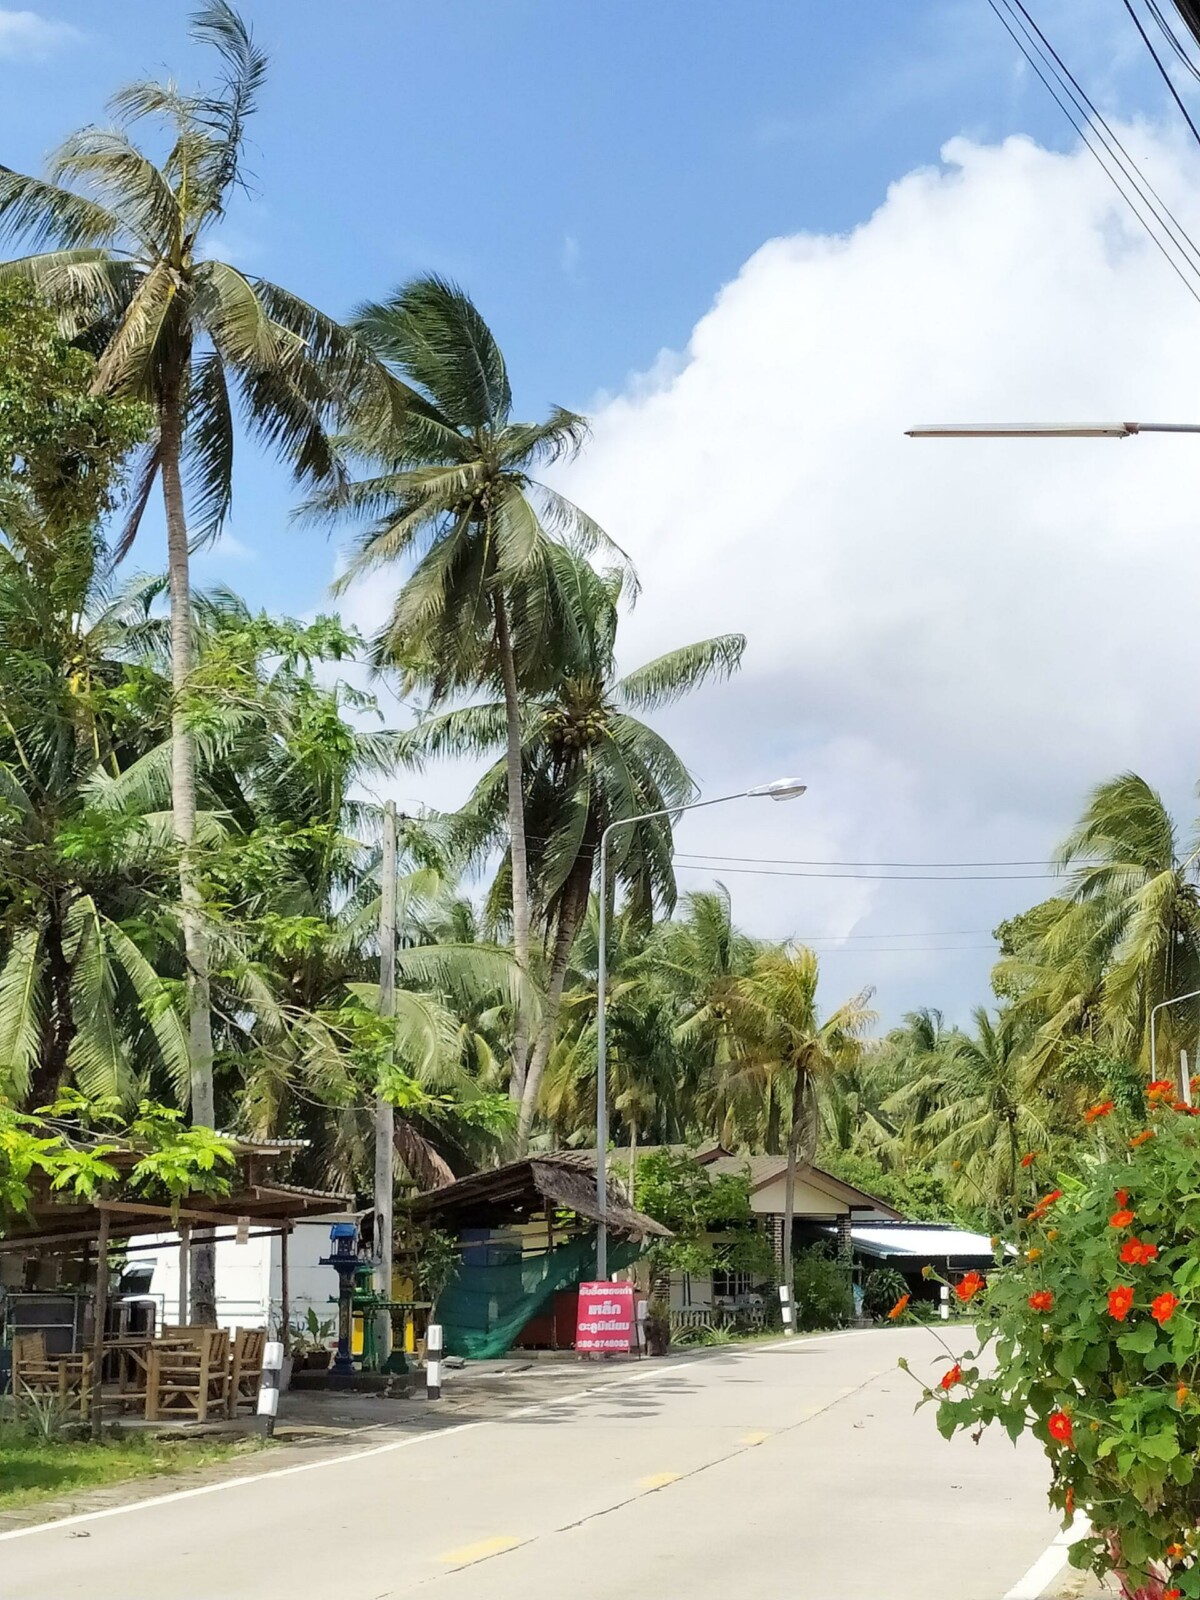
{"x":100,"y":1316}
{"x":185,"y":1253}
{"x":285,"y":1299}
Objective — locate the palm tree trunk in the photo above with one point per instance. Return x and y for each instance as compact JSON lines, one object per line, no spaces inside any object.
{"x":574,"y":904}
{"x":633,"y":1144}
{"x":183,"y":807}
{"x":516,"y":833}
{"x":789,"y":1185}
{"x":51,"y":1071}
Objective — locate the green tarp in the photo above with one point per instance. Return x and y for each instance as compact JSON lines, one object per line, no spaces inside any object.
{"x":485,"y":1306}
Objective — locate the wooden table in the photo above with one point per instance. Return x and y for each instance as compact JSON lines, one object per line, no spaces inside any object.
{"x":132,"y":1352}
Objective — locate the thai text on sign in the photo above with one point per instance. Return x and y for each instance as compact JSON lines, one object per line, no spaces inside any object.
{"x":605,"y":1320}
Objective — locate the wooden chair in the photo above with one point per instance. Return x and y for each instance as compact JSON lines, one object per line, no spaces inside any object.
{"x":245,"y":1369}
{"x":34,"y":1373}
{"x":188,"y":1376}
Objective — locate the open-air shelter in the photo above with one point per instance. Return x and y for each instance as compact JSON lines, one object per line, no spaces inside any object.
{"x":61,"y":1243}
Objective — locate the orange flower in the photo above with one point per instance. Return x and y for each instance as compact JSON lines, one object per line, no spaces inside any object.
{"x":1181,"y":1394}
{"x":1044,"y":1205}
{"x":1172,"y":1594}
{"x":1034,"y":1254}
{"x":953,"y":1376}
{"x":1140,"y":1138}
{"x":1058,"y":1425}
{"x":1136,"y":1252}
{"x":967,"y":1288}
{"x":1052,"y":1234}
{"x":1120,"y":1302}
{"x":899,"y":1308}
{"x":1094,"y":1113}
{"x":1161,"y":1089}
{"x":1120,"y":1219}
{"x":1162,"y":1308}
{"x":1175,"y":1552}
{"x":1122,"y":1197}
{"x":1043,"y":1300}
{"x":1027,"y":1161}
{"x":1070,"y":1505}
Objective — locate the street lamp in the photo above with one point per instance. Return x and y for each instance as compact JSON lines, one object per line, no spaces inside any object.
{"x":1185,"y":1085}
{"x":1044,"y":430}
{"x":781,"y":789}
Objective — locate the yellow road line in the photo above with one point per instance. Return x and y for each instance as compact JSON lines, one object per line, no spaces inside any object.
{"x":658,"y":1480}
{"x":467,"y":1553}
{"x":755,"y":1438}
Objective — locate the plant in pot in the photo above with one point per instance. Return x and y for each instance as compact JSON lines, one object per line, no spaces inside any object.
{"x":309,"y":1340}
{"x":1096,"y":1346}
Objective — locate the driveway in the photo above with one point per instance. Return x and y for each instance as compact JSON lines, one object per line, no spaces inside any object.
{"x":795,"y":1470}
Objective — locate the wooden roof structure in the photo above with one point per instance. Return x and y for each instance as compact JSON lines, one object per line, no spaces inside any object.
{"x":256,"y":1196}
{"x":513,"y":1192}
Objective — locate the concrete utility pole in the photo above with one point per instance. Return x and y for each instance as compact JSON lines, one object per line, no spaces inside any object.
{"x":384,"y":1112}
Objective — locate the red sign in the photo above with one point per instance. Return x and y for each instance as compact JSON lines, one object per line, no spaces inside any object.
{"x":605,"y":1320}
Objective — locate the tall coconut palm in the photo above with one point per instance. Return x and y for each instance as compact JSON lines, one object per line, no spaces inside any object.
{"x":781,"y":995}
{"x":130,"y":272}
{"x":586,"y":762}
{"x":702,"y":958}
{"x":456,"y":496}
{"x":1137,"y":891}
{"x":990,"y":1114}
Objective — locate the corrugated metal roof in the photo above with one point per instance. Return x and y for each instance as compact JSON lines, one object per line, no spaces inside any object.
{"x":925,"y":1242}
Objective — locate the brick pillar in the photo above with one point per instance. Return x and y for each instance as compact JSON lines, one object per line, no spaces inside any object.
{"x":845,"y":1244}
{"x":775,"y":1229}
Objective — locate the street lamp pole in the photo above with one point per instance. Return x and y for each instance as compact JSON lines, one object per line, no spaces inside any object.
{"x":781,"y":789}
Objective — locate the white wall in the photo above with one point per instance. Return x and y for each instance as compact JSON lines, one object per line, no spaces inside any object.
{"x":250,"y":1277}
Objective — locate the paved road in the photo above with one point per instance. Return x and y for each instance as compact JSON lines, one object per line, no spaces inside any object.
{"x":796,"y":1471}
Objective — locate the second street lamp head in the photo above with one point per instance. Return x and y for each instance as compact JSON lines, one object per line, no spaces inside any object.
{"x":781,"y":789}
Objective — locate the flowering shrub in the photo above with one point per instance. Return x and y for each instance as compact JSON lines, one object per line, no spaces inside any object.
{"x":1096,"y":1348}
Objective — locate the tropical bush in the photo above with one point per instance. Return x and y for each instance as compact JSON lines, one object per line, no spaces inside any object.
{"x":1097,"y":1347}
{"x":881,"y":1290}
{"x":823,"y":1297}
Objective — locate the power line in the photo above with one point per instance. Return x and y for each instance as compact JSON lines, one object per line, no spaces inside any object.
{"x":877,"y":877}
{"x":905,"y":949}
{"x":1089,"y":131}
{"x":1172,"y":38}
{"x":1163,"y":73}
{"x":917,"y":933}
{"x":796,"y":861}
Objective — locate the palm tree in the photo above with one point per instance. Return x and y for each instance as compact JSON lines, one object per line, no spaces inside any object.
{"x":702,"y":959}
{"x":83,"y":873}
{"x":586,"y":762}
{"x":129,"y":273}
{"x":990,"y":1113}
{"x":456,"y":495}
{"x":1141,"y":908}
{"x":781,"y":996}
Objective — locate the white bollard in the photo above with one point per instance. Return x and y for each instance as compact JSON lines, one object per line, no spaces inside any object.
{"x":785,"y":1307}
{"x":268,"y":1383}
{"x":433,"y":1361}
{"x":945,"y":1303}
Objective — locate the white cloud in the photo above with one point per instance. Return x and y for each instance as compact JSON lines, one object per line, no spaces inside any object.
{"x":951,"y":641}
{"x":568,"y":255}
{"x":25,"y":34}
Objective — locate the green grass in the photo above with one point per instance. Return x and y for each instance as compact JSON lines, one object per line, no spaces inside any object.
{"x":33,"y":1469}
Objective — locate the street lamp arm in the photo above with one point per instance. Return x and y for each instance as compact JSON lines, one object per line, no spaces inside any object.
{"x":1044,"y":430}
{"x":1193,"y":994}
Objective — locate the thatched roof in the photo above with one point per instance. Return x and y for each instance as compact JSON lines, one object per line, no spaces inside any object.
{"x":513,"y":1192}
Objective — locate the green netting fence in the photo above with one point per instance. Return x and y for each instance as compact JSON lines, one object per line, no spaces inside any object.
{"x":485,"y":1306}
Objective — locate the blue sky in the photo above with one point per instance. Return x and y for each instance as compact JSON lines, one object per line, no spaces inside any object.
{"x":811,"y":209}
{"x":592,"y":174}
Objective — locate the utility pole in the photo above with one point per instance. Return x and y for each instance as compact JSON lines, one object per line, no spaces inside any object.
{"x":384,"y":1113}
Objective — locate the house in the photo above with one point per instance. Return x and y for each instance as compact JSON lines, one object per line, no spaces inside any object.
{"x":825,"y":1208}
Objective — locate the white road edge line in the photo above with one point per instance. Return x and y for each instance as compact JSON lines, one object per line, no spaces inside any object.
{"x":1051,"y":1561}
{"x":651,"y":1371}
